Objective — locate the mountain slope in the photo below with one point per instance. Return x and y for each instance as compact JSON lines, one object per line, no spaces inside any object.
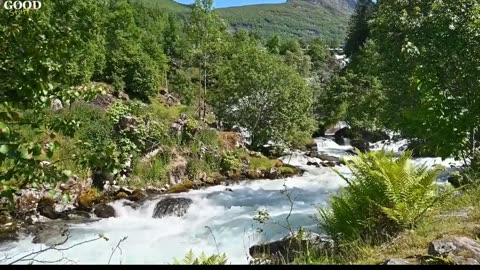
{"x":295,"y":19}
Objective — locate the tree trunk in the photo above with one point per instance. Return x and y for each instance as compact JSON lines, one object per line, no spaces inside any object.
{"x":204,"y":88}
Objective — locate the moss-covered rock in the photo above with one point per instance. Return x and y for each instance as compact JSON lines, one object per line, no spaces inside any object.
{"x":138,"y":195}
{"x":253,"y":174}
{"x":104,"y":211}
{"x":182,"y":187}
{"x":289,"y":171}
{"x":87,"y":198}
{"x":121,"y":195}
{"x":46,"y":208}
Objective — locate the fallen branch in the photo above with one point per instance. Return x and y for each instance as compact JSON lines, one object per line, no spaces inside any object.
{"x":31,"y":257}
{"x":117,"y":247}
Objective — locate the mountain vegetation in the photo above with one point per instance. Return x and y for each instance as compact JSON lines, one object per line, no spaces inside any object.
{"x":299,"y":19}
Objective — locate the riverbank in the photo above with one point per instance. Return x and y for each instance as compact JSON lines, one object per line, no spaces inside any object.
{"x":449,"y":234}
{"x":227,"y":209}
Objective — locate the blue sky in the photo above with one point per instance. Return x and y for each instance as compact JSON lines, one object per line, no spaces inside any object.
{"x":233,"y":3}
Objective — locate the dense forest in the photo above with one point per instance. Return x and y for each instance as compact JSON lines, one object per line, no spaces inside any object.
{"x":107,"y":100}
{"x":327,"y":19}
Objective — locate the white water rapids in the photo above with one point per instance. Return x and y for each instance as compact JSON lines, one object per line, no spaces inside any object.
{"x":229,"y":215}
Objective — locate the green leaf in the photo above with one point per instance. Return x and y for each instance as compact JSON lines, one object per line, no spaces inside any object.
{"x":51,"y":149}
{"x":67,"y":173}
{"x":4,"y":129}
{"x":37,"y":149}
{"x":4,"y":149}
{"x":24,"y":153}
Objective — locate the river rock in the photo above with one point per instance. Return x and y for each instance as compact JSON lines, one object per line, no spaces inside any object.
{"x":316,"y":164}
{"x":274,"y":173}
{"x":361,"y":145}
{"x":254,"y":174}
{"x":288,"y":247}
{"x":396,"y":262}
{"x":171,"y":206}
{"x":329,"y":158}
{"x":104,"y":211}
{"x":342,"y":134}
{"x":46,"y":208}
{"x":133,"y":205}
{"x":138,"y":195}
{"x":50,"y":234}
{"x":462,"y":250}
{"x":75,"y":215}
{"x":151,"y":191}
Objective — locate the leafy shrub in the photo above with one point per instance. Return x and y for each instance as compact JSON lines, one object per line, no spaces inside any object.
{"x":195,"y":167}
{"x":189,"y":131}
{"x":142,"y":79}
{"x":203,"y":259}
{"x":181,"y":84}
{"x":469,"y":176}
{"x":229,"y":162}
{"x":385,"y":196}
{"x":153,"y":172}
{"x":95,"y":126}
{"x":208,"y":137}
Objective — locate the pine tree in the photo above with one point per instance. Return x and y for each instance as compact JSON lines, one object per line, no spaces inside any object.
{"x":358,"y":27}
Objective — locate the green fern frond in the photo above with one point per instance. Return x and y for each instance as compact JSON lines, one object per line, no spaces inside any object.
{"x":385,"y":193}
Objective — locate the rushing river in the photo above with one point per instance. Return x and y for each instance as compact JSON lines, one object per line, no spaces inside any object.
{"x":218,"y":218}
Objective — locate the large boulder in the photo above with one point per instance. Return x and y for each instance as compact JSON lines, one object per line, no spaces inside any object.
{"x":138,"y":195}
{"x":103,"y":101}
{"x":359,"y":134}
{"x":342,"y":134}
{"x":171,"y":206}
{"x":462,"y":250}
{"x":291,"y":245}
{"x":361,"y":145}
{"x":104,"y":211}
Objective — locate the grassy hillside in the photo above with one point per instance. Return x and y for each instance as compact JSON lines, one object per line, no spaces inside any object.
{"x":295,"y":19}
{"x":169,"y":5}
